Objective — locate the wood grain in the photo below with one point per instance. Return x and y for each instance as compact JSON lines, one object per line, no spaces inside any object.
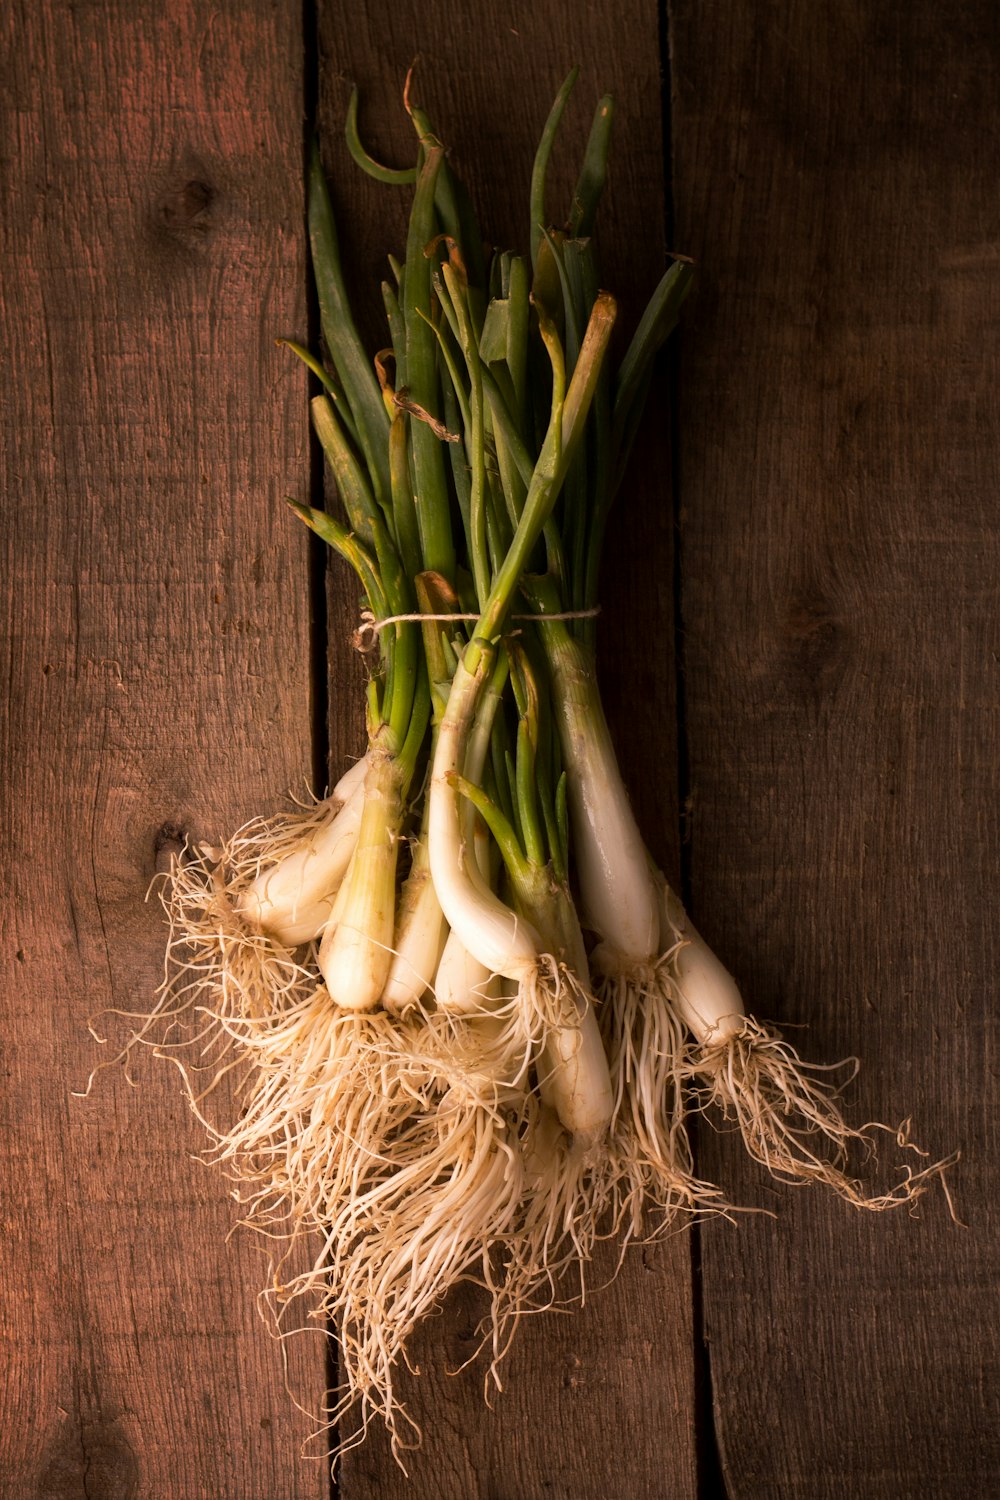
{"x":836,"y":172}
{"x":599,"y":1402}
{"x":835,"y":177}
{"x":155,"y":651}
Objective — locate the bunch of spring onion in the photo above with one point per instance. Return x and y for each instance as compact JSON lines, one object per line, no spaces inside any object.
{"x":465,"y":1013}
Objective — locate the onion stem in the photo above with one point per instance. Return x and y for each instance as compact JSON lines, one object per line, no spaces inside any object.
{"x":437,"y":1079}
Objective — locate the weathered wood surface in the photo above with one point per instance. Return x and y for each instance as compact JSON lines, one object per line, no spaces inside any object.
{"x":155,"y":634}
{"x":836,"y":173}
{"x":600,"y":1402}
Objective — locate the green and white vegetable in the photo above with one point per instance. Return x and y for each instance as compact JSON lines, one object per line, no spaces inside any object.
{"x":467,"y":1017}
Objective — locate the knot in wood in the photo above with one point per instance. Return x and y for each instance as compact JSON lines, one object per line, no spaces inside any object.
{"x":185,"y":210}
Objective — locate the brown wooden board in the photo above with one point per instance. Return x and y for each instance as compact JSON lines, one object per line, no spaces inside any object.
{"x":155,"y":645}
{"x":836,"y":171}
{"x":835,"y":179}
{"x":599,"y":1402}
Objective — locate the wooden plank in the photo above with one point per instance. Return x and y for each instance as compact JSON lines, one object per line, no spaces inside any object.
{"x":835,"y":171}
{"x":600,"y":1402}
{"x":156,"y":652}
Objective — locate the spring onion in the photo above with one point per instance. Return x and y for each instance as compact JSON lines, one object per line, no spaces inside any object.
{"x":467,"y":1018}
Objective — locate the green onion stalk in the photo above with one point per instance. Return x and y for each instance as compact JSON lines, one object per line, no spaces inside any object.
{"x":673,"y":1016}
{"x":464,"y":1014}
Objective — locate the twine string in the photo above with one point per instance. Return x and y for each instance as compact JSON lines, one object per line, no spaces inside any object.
{"x":365,"y":638}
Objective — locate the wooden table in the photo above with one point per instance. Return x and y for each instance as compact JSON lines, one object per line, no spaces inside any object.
{"x":800,"y":633}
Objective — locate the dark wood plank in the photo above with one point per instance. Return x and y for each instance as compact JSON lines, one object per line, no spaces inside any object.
{"x":836,"y":173}
{"x":155,"y":642}
{"x":600,"y":1402}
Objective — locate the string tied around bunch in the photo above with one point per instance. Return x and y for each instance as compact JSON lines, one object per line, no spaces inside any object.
{"x":365,"y":637}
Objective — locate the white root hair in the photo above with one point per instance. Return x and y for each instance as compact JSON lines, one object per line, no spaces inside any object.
{"x":648,"y":1137}
{"x":789,"y":1115}
{"x":403,"y":1151}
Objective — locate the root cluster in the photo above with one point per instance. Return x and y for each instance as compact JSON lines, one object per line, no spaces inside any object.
{"x":789,"y":1116}
{"x":404,"y":1155}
